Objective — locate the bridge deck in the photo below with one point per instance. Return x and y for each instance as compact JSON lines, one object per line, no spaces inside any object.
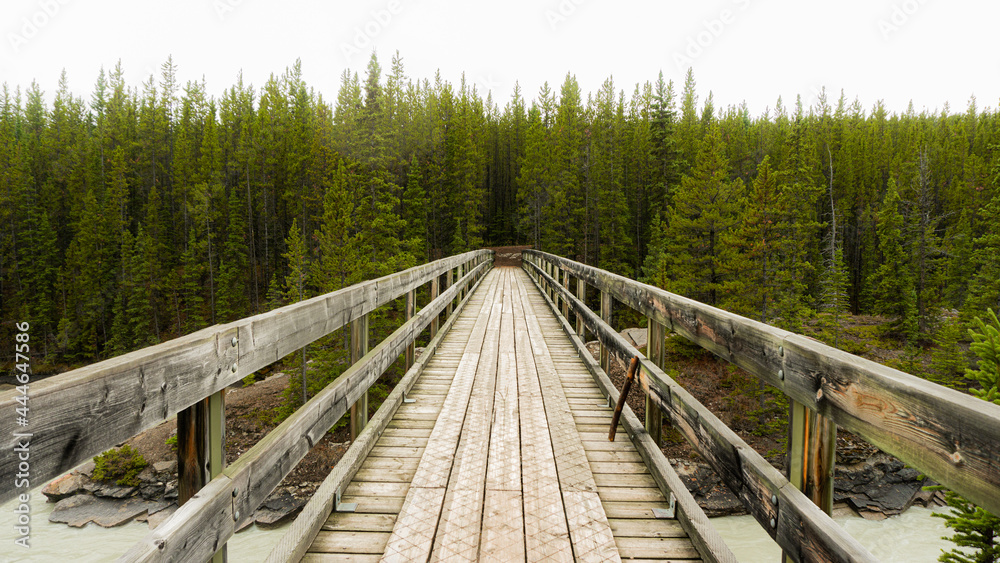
{"x":503,"y":456}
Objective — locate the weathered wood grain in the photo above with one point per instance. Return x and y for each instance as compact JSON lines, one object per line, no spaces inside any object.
{"x":245,"y":484}
{"x":754,"y":481}
{"x":83,"y":412}
{"x":702,"y":533}
{"x":300,"y":534}
{"x":952,"y":437}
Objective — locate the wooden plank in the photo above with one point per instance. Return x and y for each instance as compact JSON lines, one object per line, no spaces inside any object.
{"x":412,"y":538}
{"x":589,"y":531}
{"x":673,"y":548}
{"x":349,"y":542}
{"x":546,"y":532}
{"x":340,"y":558}
{"x":503,"y":527}
{"x":651,"y":528}
{"x":458,"y":533}
{"x":952,"y":437}
{"x":354,"y":522}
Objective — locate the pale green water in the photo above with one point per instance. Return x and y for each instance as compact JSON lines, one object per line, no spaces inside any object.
{"x":92,"y":544}
{"x":912,"y":537}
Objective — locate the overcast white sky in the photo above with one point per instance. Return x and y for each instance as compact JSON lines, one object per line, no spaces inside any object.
{"x":927,"y":51}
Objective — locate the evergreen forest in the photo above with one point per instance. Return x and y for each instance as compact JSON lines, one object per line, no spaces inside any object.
{"x":140,"y":214}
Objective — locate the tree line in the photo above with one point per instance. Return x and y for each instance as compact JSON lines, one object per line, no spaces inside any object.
{"x":141,"y":214}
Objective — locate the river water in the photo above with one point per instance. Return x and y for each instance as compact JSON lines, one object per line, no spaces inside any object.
{"x":913,"y":537}
{"x":60,"y":543}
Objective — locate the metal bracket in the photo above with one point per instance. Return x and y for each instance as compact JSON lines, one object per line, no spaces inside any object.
{"x":407,"y":399}
{"x":345,"y":506}
{"x":668,"y":513}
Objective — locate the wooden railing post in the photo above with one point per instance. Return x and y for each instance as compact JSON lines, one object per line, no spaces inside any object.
{"x":449,"y":279}
{"x":565,"y":308}
{"x":812,"y":453}
{"x":435,"y":282}
{"x":606,"y":317}
{"x":411,"y":308}
{"x":201,"y":449}
{"x":655,"y":334}
{"x":581,"y":294}
{"x":359,"y":347}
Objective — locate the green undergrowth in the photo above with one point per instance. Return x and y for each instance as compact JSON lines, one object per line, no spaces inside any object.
{"x":122,"y":466}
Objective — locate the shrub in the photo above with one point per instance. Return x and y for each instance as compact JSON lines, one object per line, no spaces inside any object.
{"x":122,"y":466}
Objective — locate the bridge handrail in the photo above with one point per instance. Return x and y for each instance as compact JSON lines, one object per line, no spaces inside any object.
{"x":850,"y":390}
{"x":83,"y":412}
{"x":952,"y":437}
{"x":205,"y":522}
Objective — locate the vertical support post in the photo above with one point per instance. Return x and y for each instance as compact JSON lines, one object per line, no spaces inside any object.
{"x":606,"y":316}
{"x":411,"y":307}
{"x":449,"y":279}
{"x":359,"y":347}
{"x":812,"y":452}
{"x":201,"y":449}
{"x":565,"y":308}
{"x":434,"y":295}
{"x":581,"y":294}
{"x":654,"y":351}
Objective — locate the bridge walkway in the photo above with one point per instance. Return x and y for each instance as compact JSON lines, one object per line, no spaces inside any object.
{"x":503,"y":455}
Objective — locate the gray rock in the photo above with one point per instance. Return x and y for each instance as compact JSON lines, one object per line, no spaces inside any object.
{"x":154,"y":519}
{"x":65,"y":486}
{"x":707,"y":488}
{"x":170,"y":491}
{"x":635,"y":336}
{"x":79,"y":510}
{"x":152,"y":491}
{"x":87,"y":469}
{"x":277,"y":508}
{"x":165,"y":466}
{"x":111,"y":490}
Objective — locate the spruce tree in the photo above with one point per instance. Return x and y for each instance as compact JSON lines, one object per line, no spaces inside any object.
{"x":705,"y":208}
{"x":893,"y":280}
{"x":977,"y":531}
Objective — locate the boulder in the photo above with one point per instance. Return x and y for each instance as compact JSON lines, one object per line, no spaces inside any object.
{"x":65,"y":486}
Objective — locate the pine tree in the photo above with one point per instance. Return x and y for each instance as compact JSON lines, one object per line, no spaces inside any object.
{"x":893,"y":281}
{"x":705,"y":209}
{"x":232,"y":294}
{"x":755,"y":248}
{"x":948,"y":363}
{"x":656,"y":266}
{"x":977,"y":531}
{"x":984,"y":289}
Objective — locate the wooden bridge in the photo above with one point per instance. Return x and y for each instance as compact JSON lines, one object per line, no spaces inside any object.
{"x":494,"y":445}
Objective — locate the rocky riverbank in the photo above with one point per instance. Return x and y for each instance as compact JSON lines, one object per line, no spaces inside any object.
{"x":874,"y":488}
{"x":249,"y":417}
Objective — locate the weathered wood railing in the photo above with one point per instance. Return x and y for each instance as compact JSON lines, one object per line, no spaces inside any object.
{"x":86,"y":411}
{"x":952,"y":437}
